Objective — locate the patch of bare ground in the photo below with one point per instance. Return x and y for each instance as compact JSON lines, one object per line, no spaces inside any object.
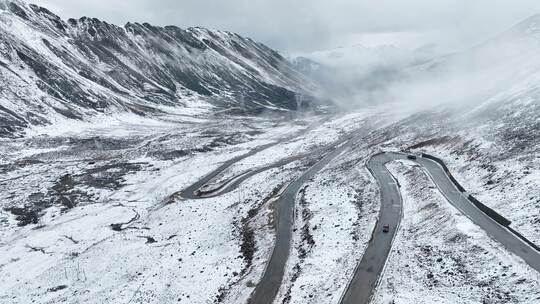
{"x":248,"y":244}
{"x":305,"y":245}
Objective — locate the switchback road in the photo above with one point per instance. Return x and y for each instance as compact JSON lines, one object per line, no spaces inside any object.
{"x":370,"y":268}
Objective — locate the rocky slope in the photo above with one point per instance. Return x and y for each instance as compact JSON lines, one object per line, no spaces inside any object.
{"x":54,"y":68}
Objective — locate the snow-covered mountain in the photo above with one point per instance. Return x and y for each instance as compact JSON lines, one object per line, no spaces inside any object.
{"x":55,"y":68}
{"x":95,"y":211}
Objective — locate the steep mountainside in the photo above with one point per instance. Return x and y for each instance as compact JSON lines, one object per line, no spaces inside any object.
{"x":53,"y":68}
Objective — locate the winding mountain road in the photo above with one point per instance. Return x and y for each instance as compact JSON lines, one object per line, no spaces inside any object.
{"x":268,"y":287}
{"x":194,"y":191}
{"x":202,"y":189}
{"x":370,"y":269}
{"x":265,"y":292}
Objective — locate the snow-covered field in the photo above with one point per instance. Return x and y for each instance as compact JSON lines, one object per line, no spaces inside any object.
{"x":91,"y":214}
{"x":91,"y":217}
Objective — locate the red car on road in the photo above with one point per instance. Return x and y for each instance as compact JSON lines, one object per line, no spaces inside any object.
{"x":386,"y":228}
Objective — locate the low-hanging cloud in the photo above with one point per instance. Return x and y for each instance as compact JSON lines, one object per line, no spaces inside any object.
{"x":421,"y":79}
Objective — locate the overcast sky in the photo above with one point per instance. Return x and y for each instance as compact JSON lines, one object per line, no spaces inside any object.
{"x":293,"y":26}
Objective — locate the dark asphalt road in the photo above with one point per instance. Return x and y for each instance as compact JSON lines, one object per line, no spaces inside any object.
{"x":370,"y":268}
{"x":192,"y":192}
{"x":268,"y":287}
{"x":195,"y":191}
{"x":497,"y":232}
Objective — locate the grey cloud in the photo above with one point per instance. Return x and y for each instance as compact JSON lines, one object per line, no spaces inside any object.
{"x":304,"y":25}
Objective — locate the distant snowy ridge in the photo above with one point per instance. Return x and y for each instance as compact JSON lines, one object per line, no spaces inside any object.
{"x":54,"y":68}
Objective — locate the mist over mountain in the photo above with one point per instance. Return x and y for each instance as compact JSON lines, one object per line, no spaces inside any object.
{"x":426,"y":77}
{"x":359,"y":76}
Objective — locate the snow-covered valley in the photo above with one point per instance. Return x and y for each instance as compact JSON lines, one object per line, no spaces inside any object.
{"x":97,"y":217}
{"x":146,"y":164}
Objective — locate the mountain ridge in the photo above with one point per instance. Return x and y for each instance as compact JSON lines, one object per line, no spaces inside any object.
{"x":80,"y":66}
